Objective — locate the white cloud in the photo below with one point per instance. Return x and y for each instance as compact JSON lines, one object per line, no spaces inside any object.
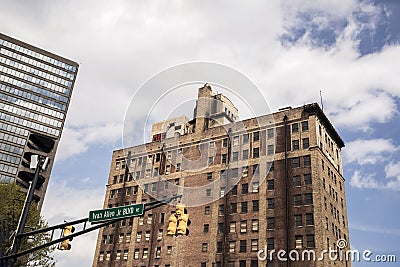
{"x":64,"y":202}
{"x":77,"y":140}
{"x":370,"y":181}
{"x":362,"y":182}
{"x":393,"y":169}
{"x":368,"y":151}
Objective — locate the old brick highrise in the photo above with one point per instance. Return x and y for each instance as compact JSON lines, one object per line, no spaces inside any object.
{"x":272,"y":182}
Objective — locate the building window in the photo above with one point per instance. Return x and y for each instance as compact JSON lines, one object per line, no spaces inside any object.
{"x":255,"y":205}
{"x":254,"y":225}
{"x":245,"y":189}
{"x":255,"y":186}
{"x":169,"y":250}
{"x":145,"y":253}
{"x":235,"y":172}
{"x":128,"y":238}
{"x":270,"y":150}
{"x":295,"y":127}
{"x":307,"y":179}
{"x":310,"y":241}
{"x":243,"y":245}
{"x":208,"y":192}
{"x":296,"y":162}
{"x":234,"y":190}
{"x":136,"y":254}
{"x":149,"y":218}
{"x":270,"y":166}
{"x":308,"y":199}
{"x":307,"y":161}
{"x":295,"y":145}
{"x":160,"y":234}
{"x":209,"y":176}
{"x":221,"y":210}
{"x":243,"y":226}
{"x":207,"y":210}
{"x":232,"y":246}
{"x":270,"y":133}
{"x":256,"y":152}
{"x":242,"y":263}
{"x":220,"y":228}
{"x":270,"y":243}
{"x":255,"y":169}
{"x":233,"y":207}
{"x":147,"y":236}
{"x":232,"y":227}
{"x":245,"y":138}
{"x":245,"y":154}
{"x":206,"y":228}
{"x":120,"y":238}
{"x":235,"y":141}
{"x":306,"y":143}
{"x":204,"y":247}
{"x":210,"y":160}
{"x":271,"y":223}
{"x":298,"y":220}
{"x":224,"y":158}
{"x":203,"y":264}
{"x":219,"y":247}
{"x":270,"y":203}
{"x":256,"y":136}
{"x":225,"y":142}
{"x":158,"y":253}
{"x":297,"y":180}
{"x":299,"y":241}
{"x":235,"y":156}
{"x":297,"y":200}
{"x":304,"y":126}
{"x":309,"y":219}
{"x":244,"y":207}
{"x":270,"y":184}
{"x":254,"y":245}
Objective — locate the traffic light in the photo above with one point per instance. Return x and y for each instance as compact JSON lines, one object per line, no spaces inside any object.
{"x":65,"y":245}
{"x":172,"y":225}
{"x":183,"y":219}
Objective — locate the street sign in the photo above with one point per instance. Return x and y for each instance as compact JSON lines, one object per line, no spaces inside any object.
{"x":115,"y":213}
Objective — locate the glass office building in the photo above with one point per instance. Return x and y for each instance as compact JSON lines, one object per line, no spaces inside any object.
{"x":35,"y":92}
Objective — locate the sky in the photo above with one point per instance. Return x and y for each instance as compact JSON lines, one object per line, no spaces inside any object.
{"x":348,"y":50}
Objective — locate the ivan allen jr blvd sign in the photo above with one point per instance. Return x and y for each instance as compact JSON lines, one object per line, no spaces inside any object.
{"x":115,"y":213}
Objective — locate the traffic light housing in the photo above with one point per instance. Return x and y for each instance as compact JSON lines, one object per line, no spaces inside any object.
{"x":183,"y":220}
{"x":172,"y":225}
{"x":65,"y":245}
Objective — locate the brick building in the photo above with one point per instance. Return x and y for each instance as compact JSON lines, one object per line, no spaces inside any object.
{"x":267,"y":183}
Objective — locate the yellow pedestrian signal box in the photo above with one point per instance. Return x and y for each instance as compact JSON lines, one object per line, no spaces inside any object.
{"x":65,"y":245}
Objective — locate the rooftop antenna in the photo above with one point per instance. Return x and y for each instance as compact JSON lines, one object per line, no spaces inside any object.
{"x":322,"y":103}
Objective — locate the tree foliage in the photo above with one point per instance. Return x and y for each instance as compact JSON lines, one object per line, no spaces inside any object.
{"x":11,"y":203}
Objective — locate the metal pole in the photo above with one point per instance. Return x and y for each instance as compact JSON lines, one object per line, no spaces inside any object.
{"x":25,"y":210}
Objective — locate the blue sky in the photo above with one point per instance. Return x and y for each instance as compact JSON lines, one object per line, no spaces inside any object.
{"x":348,"y":49}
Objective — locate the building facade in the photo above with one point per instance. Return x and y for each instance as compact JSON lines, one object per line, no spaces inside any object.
{"x":35,"y":92}
{"x":251,"y":187}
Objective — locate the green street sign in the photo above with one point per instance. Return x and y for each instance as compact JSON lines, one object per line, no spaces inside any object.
{"x":115,"y":213}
